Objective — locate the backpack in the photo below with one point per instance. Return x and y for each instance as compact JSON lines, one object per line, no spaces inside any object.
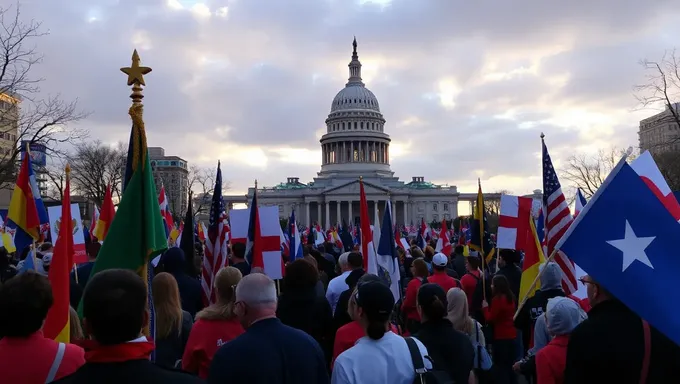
{"x":482,"y":358}
{"x":423,"y":375}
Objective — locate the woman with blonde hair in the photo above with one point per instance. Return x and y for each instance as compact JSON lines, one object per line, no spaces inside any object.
{"x":172,"y":323}
{"x":459,"y":315}
{"x":75,"y":329}
{"x":215,"y":325}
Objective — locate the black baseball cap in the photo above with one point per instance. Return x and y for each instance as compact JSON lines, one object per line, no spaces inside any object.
{"x":375,"y":297}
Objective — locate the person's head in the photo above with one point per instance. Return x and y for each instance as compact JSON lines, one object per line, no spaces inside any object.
{"x":167,"y":304}
{"x":374,"y":304}
{"x":115,"y":306}
{"x":24,"y":302}
{"x":562,"y":315}
{"x":225,"y":283}
{"x":355,"y":260}
{"x":508,"y":257}
{"x":311,"y":260}
{"x":342,"y":262}
{"x":46,"y":247}
{"x":352,"y":303}
{"x":419,"y":268}
{"x":459,"y":250}
{"x":300,"y":275}
{"x":173,"y":260}
{"x":75,"y":329}
{"x":439,"y":262}
{"x":551,"y":278}
{"x":596,"y":292}
{"x":429,"y":253}
{"x":255,"y":299}
{"x":501,"y":287}
{"x":472,"y":263}
{"x":457,"y":310}
{"x":431,"y":302}
{"x":238,"y":252}
{"x":401,"y":254}
{"x":93,"y":250}
{"x":417,"y":253}
{"x":47,"y":261}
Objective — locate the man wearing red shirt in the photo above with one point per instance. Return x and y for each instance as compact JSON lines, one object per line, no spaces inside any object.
{"x":470,"y":280}
{"x":439,"y":275}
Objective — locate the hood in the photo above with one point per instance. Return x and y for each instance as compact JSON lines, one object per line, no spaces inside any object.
{"x":173,"y":260}
{"x":551,"y":278}
{"x":563,"y":315}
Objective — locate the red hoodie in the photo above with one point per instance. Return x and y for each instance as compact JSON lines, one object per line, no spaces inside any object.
{"x":206,"y":337}
{"x":500,"y":313}
{"x":445,"y":281}
{"x":29,"y":360}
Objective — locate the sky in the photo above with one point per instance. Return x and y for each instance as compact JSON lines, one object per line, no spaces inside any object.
{"x":466,"y":87}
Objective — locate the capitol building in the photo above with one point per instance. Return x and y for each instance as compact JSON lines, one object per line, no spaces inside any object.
{"x":355,"y":145}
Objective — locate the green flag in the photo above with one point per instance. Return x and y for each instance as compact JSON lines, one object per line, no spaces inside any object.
{"x":136,"y":234}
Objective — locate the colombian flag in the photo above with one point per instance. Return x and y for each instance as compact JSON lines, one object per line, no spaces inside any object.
{"x":533,"y":257}
{"x":105,"y":216}
{"x":57,"y":323}
{"x":23,"y":210}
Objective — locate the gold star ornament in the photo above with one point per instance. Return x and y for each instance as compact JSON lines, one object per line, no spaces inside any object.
{"x":135,"y":72}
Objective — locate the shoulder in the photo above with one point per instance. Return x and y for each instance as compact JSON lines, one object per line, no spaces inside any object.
{"x":74,"y":352}
{"x":174,"y":376}
{"x":423,"y":351}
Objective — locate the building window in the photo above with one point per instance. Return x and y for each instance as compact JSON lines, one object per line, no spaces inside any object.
{"x":435,"y":207}
{"x":355,"y":125}
{"x":446,"y":207}
{"x":435,"y":217}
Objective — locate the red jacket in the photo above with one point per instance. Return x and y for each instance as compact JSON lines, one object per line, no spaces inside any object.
{"x":443,"y":280}
{"x":408,"y":307}
{"x":29,"y":360}
{"x":206,"y":337}
{"x":347,"y":336}
{"x":551,"y":361}
{"x":500,"y":313}
{"x":583,"y":303}
{"x":469,"y":284}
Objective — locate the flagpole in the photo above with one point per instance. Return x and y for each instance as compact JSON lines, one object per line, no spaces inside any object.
{"x":533,"y":285}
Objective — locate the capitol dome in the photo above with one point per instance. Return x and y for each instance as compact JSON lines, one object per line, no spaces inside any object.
{"x":355,"y":143}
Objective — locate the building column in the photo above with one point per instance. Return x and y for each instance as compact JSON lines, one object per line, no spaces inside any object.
{"x":308,"y":222}
{"x":351,"y":151}
{"x":351,"y":216}
{"x":376,"y":212}
{"x":318,"y":213}
{"x":344,"y":152}
{"x":338,"y":220}
{"x":394,"y":211}
{"x":328,"y":216}
{"x":406,"y":213}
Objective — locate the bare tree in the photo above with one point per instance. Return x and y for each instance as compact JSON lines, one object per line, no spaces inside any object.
{"x":202,"y":183}
{"x":56,"y":180}
{"x":669,"y":165}
{"x":588,"y":172}
{"x":24,"y":115}
{"x":493,"y":206}
{"x":94,"y":166}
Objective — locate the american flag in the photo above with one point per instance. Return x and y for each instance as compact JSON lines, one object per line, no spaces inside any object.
{"x":557,"y":220}
{"x":216,"y":242}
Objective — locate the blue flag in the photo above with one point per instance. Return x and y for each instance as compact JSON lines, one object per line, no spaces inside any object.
{"x":294,"y":238}
{"x":388,"y":262}
{"x":625,"y":234}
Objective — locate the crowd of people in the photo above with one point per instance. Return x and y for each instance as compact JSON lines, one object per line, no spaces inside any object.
{"x":457,"y":320}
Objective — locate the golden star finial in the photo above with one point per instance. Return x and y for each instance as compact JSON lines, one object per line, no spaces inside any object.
{"x":135,"y":72}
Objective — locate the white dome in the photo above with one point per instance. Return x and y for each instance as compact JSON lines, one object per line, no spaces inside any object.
{"x":355,"y":96}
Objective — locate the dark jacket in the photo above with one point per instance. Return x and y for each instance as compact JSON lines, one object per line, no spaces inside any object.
{"x":609,"y":347}
{"x":190,"y":291}
{"x":309,"y":313}
{"x":170,"y":349}
{"x":270,"y":352}
{"x":458,"y":265}
{"x":341,"y":317}
{"x":128,"y":372}
{"x":513,"y":273}
{"x":450,"y":350}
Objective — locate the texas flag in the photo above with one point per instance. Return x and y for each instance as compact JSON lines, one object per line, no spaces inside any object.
{"x":647,"y":169}
{"x":580,"y":202}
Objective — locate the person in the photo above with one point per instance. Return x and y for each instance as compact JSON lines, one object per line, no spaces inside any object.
{"x":215,"y":325}
{"x":458,"y":260}
{"x":615,"y":345}
{"x":238,"y":258}
{"x":562,"y":315}
{"x":499,"y":314}
{"x":341,"y":316}
{"x":381,"y":356}
{"x":508,"y":266}
{"x":269,"y":351}
{"x":82,"y":272}
{"x":173,"y":324}
{"x":114,"y":314}
{"x":338,"y":285}
{"x":299,"y":306}
{"x":190,"y":291}
{"x":408,"y":306}
{"x":440,"y":275}
{"x":471,"y":278}
{"x":26,"y":356}
{"x":7,"y":270}
{"x":451,"y":351}
{"x":321,"y":282}
{"x":75,"y":328}
{"x":459,"y":315}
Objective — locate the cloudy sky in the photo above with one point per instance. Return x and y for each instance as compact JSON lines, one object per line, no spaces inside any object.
{"x":466,"y":89}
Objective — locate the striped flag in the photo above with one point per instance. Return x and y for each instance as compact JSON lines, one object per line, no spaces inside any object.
{"x":557,"y":220}
{"x":216,"y":242}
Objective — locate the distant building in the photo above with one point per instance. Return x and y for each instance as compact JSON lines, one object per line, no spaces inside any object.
{"x":9,"y":130}
{"x":173,"y":173}
{"x":660,"y":133}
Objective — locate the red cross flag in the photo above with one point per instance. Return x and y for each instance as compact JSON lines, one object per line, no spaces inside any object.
{"x":513,"y":223}
{"x":270,"y":235}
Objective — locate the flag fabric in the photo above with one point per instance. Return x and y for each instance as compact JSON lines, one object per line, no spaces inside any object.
{"x":29,"y":262}
{"x":23,"y":209}
{"x":253,"y":246}
{"x":387,"y":259}
{"x":580,"y":202}
{"x":367,"y":246}
{"x":57,"y":323}
{"x":215,"y":256}
{"x":480,"y":240}
{"x":294,"y":238}
{"x":187,"y":239}
{"x":443,"y":243}
{"x":105,"y":217}
{"x":513,"y":222}
{"x":647,"y":169}
{"x":165,"y":211}
{"x":95,"y":219}
{"x":557,"y":221}
{"x":533,"y":258}
{"x":136,"y":234}
{"x":631,"y":236}
{"x":201,"y":230}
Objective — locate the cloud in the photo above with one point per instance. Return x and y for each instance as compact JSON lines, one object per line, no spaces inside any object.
{"x":465,"y":88}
